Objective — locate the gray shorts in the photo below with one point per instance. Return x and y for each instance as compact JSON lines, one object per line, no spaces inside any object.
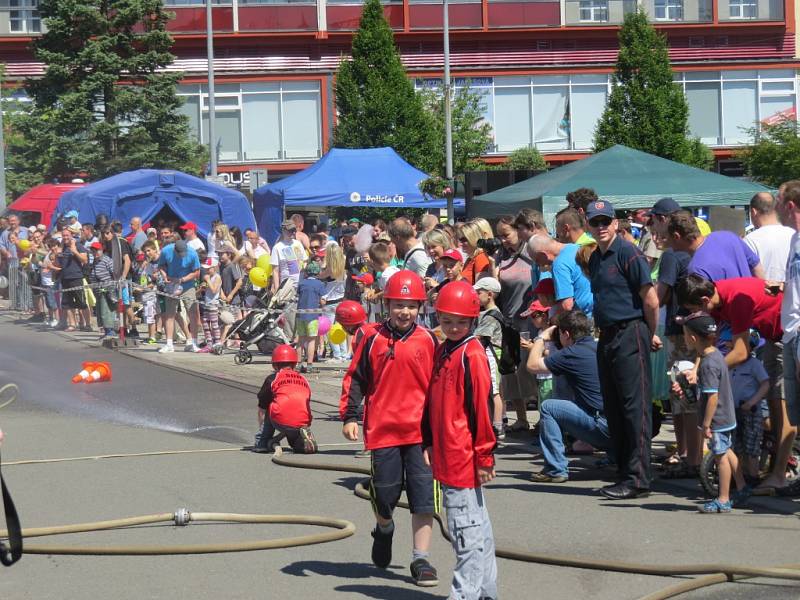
{"x":790,"y":385}
{"x":772,"y":357}
{"x":188,"y":298}
{"x":678,"y":350}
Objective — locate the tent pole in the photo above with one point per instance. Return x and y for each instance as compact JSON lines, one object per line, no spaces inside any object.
{"x":448,"y":125}
{"x":212,"y":146}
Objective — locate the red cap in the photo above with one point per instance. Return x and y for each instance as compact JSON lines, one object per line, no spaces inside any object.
{"x":535,"y":307}
{"x":321,"y":253}
{"x":365,"y":278}
{"x":189,"y":225}
{"x":454,"y":255}
{"x":546,"y":287}
{"x":96,"y":246}
{"x":140,"y":256}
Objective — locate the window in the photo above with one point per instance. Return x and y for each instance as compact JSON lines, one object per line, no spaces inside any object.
{"x":594,"y":11}
{"x":26,"y":18}
{"x":668,"y":10}
{"x":259,"y":121}
{"x":743,"y":9}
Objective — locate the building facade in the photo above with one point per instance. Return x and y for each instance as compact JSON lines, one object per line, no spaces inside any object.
{"x":541,"y":66}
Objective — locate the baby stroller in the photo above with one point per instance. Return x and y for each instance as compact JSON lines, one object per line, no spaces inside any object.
{"x":260,"y":327}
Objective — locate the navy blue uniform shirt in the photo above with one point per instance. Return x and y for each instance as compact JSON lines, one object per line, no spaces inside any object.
{"x":617,"y":276}
{"x":578,"y":364}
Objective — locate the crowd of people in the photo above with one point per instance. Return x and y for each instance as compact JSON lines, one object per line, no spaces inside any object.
{"x":474,"y":323}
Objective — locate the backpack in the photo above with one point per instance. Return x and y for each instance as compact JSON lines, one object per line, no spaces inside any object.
{"x":509,"y":356}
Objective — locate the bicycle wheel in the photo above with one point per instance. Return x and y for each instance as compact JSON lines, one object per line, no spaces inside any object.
{"x":708,"y":475}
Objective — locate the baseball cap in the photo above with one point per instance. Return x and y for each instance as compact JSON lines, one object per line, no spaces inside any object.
{"x":74,"y":228}
{"x":41,"y":227}
{"x":699,"y":322}
{"x":151,"y":230}
{"x":599,"y":208}
{"x":180,"y":248}
{"x":490,"y":284}
{"x":354,"y":220}
{"x":208,"y":262}
{"x":140,"y":256}
{"x":453,"y":255}
{"x":189,"y":225}
{"x":289,"y":225}
{"x":545,"y":286}
{"x":348,"y":231}
{"x":312,"y":268}
{"x":96,"y":246}
{"x":32,"y":228}
{"x":321,"y":253}
{"x":535,"y":307}
{"x":365,"y":278}
{"x":665,"y":206}
{"x":70,"y":214}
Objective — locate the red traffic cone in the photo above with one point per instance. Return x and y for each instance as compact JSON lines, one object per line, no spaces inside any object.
{"x":86,"y":369}
{"x":101,"y":372}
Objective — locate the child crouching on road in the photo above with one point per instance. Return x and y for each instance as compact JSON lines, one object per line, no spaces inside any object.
{"x":459,"y":441}
{"x":717,"y":409}
{"x":391,"y":370}
{"x":284,"y":407}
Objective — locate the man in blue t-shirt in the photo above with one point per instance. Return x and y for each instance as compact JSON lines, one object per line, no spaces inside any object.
{"x":180,"y":266}
{"x":573,"y":289}
{"x":582,"y":417}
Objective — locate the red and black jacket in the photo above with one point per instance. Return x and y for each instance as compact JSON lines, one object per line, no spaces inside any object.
{"x":362,"y":332}
{"x":286,"y":396}
{"x":457,"y":423}
{"x":390,"y":371}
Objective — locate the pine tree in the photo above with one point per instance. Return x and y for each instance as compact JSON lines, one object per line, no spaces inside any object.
{"x":375,"y":99}
{"x":645,"y":109}
{"x":104,"y":104}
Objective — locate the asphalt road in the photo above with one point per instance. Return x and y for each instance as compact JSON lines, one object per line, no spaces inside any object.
{"x":149,"y":407}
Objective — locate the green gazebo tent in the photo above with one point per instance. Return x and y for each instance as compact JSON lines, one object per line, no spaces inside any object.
{"x":626,"y":177}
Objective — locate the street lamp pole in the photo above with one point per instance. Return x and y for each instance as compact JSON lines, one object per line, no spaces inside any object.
{"x":212,"y":146}
{"x":448,"y":125}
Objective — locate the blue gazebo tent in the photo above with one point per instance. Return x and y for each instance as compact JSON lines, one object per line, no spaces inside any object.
{"x":373,"y":177}
{"x":145,"y":192}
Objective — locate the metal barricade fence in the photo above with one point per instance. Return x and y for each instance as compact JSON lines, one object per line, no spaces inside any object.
{"x":20,"y":294}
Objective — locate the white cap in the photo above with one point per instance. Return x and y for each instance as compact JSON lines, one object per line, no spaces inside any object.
{"x":490,"y":284}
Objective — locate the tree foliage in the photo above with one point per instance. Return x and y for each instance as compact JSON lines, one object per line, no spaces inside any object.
{"x":376,"y":101}
{"x":774,"y":156}
{"x":525,"y":159}
{"x":645,"y":109}
{"x":104,"y":104}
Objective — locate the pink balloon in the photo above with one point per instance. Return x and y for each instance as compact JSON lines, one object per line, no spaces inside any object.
{"x":324,"y":325}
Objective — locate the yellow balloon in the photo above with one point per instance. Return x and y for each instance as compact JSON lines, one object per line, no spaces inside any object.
{"x":337,"y":334}
{"x":24,"y":244}
{"x":258,"y":277}
{"x":263,"y":262}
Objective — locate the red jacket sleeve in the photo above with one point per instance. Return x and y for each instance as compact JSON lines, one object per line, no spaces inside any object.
{"x":356,"y":382}
{"x":478,"y":402}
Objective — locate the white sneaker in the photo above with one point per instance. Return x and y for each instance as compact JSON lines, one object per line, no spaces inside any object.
{"x":54,"y":323}
{"x":191,"y":348}
{"x":167,"y":348}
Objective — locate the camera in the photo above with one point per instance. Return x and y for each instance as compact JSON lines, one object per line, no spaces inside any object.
{"x":490,"y":246}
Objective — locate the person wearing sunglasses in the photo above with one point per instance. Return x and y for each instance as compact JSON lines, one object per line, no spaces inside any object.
{"x":626,"y":311}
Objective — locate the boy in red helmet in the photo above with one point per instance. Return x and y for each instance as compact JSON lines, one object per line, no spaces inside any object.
{"x":353,"y":318}
{"x":284,"y":407}
{"x":391,"y":370}
{"x":459,"y":440}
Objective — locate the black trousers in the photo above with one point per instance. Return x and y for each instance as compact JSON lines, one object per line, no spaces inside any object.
{"x":623,"y":361}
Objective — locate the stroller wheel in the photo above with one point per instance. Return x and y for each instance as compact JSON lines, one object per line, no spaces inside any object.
{"x":218,"y":349}
{"x":243,"y":357}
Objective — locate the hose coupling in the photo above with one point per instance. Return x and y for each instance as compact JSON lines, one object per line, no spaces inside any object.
{"x":182,"y":517}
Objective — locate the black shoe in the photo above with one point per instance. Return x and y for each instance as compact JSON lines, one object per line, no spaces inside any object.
{"x":262,"y":450}
{"x":381,"y":547}
{"x":423,"y":573}
{"x":624,"y":491}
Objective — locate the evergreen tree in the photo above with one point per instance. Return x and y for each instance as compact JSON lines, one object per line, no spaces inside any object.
{"x":104,"y":104}
{"x":645,"y":109}
{"x":376,"y":102}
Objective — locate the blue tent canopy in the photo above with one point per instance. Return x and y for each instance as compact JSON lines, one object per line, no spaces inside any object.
{"x":373,"y":177}
{"x":145,"y":192}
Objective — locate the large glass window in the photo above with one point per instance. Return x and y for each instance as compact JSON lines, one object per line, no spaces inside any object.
{"x":551,"y":116}
{"x":25,"y":19}
{"x":704,"y":110}
{"x":513,"y":118}
{"x":743,"y":9}
{"x":740,"y":110}
{"x":587,"y":104}
{"x":259,"y":121}
{"x":594,"y":11}
{"x":668,"y":10}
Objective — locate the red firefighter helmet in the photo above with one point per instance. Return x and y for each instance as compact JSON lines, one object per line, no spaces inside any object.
{"x":458,"y":298}
{"x":350,"y":313}
{"x":284,"y":354}
{"x":405,"y":285}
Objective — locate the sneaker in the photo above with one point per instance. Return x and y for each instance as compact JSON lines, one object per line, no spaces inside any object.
{"x":309,"y":443}
{"x":151,"y":341}
{"x":499,"y":433}
{"x":204,"y":350}
{"x":191,"y":348}
{"x":167,"y":348}
{"x":423,"y":573}
{"x":381,"y":547}
{"x":54,"y":323}
{"x":303,"y":368}
{"x":716,"y":507}
{"x":740,"y":497}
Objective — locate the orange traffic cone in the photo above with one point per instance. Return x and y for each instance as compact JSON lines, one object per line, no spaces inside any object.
{"x":100,"y":372}
{"x":86,"y":369}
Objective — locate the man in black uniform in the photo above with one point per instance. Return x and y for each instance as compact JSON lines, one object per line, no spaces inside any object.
{"x":626,"y":311}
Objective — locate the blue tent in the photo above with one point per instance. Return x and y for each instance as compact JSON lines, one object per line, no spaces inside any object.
{"x":373,"y":177}
{"x":145,"y":192}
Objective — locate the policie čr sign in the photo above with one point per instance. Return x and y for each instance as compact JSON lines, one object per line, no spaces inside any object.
{"x":356,"y":197}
